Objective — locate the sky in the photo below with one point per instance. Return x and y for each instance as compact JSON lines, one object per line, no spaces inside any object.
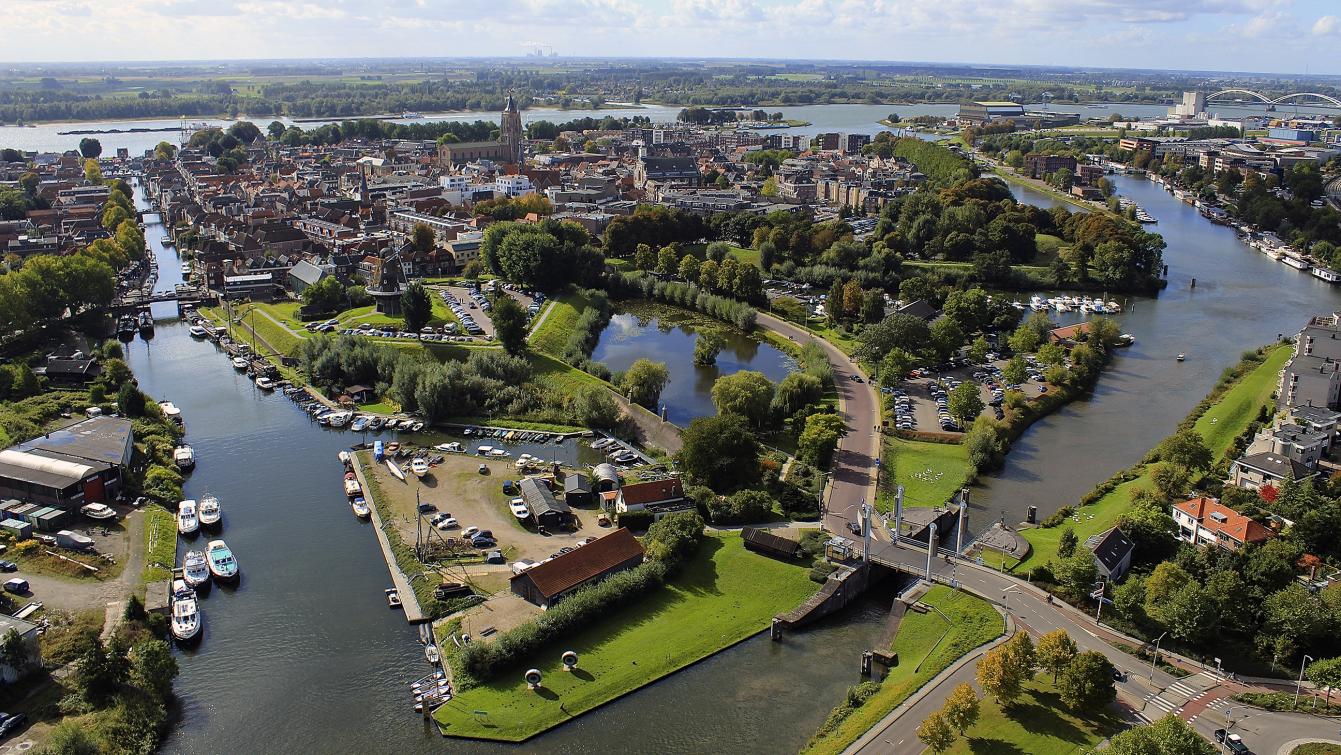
{"x":1278,"y":36}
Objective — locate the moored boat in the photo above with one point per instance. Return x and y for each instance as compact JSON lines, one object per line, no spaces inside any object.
{"x":195,"y":569}
{"x":184,"y":457}
{"x":360,"y":507}
{"x":419,"y":466}
{"x":392,"y":598}
{"x":240,"y":363}
{"x":171,"y":411}
{"x":359,"y":424}
{"x":198,"y":331}
{"x":223,"y":565}
{"x":188,"y":523}
{"x":265,"y":383}
{"x":185,"y":612}
{"x":210,"y":513}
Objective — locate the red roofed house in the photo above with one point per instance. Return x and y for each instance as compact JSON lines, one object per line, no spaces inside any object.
{"x":549,"y":582}
{"x":1069,"y":335}
{"x":661,"y":497}
{"x":1205,"y":521}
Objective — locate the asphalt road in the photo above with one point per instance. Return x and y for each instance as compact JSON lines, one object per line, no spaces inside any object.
{"x":853,"y":471}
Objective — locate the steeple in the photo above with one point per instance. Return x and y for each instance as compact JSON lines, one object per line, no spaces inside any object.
{"x":510,"y":132}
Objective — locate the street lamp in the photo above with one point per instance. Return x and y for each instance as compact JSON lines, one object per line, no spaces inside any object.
{"x":1155,"y":657}
{"x":1300,"y":682}
{"x":1005,"y":596}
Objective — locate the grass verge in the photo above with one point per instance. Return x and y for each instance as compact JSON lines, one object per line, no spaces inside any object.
{"x":725,"y":594}
{"x":160,"y":544}
{"x":1037,"y":721}
{"x":552,"y":335}
{"x":925,"y":649}
{"x":929,"y":472}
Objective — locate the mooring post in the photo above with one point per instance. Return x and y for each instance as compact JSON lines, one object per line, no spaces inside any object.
{"x":867,"y":658}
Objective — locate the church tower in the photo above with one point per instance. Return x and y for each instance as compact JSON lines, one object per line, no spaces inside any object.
{"x":511,"y":131}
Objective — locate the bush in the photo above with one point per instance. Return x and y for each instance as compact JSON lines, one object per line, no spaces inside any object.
{"x":485,"y":660}
{"x":638,"y":521}
{"x":742,"y":507}
{"x":674,"y":538}
{"x":821,"y":571}
{"x":1061,"y":515}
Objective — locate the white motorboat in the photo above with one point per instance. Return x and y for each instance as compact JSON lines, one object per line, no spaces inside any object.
{"x":98,"y":511}
{"x":184,"y":457}
{"x":170,"y":411}
{"x":266,"y":384}
{"x":210,"y":514}
{"x":352,"y":487}
{"x":499,"y":453}
{"x":195,"y":569}
{"x":186,"y":268}
{"x":240,"y":363}
{"x":451,"y":448}
{"x":602,"y":443}
{"x":185,"y":612}
{"x":187,"y":520}
{"x":198,"y":331}
{"x":519,"y":509}
{"x":419,"y":466}
{"x":223,"y":565}
{"x":338,"y":419}
{"x":360,"y":507}
{"x":392,"y":598}
{"x":395,"y":470}
{"x":1182,"y":357}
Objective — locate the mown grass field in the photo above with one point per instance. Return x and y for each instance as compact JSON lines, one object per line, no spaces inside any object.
{"x":160,"y":544}
{"x":925,"y":649}
{"x":1223,"y":422}
{"x":1037,"y":722}
{"x":724,"y":595}
{"x":552,"y":335}
{"x":929,"y":472}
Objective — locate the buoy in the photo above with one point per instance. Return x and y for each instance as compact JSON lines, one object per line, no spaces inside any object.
{"x":569,"y":659}
{"x":533,"y":678}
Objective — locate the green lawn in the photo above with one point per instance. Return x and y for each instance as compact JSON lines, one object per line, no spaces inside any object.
{"x":929,"y":472}
{"x":1223,"y":422}
{"x":1317,"y":748}
{"x":1037,"y":722}
{"x":925,"y":649}
{"x":352,"y":318}
{"x":552,"y":335}
{"x":565,"y":379}
{"x":1048,"y":246}
{"x":160,"y":544}
{"x":725,"y":595}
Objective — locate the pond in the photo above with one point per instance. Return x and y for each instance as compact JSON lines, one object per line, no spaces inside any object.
{"x":664,"y":334}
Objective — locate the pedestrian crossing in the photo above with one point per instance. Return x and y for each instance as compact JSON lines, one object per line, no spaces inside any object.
{"x":1177,"y":695}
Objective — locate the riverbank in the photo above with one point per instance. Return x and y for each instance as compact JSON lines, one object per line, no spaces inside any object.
{"x":1220,"y":418}
{"x":726,"y":593}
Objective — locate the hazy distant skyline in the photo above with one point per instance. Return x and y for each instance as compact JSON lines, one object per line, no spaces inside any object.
{"x":1271,"y":36}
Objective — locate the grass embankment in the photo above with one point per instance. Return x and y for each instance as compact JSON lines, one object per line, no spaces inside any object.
{"x":929,"y":472}
{"x":725,"y":594}
{"x":1317,"y":748}
{"x":514,"y":424}
{"x":564,"y":378}
{"x":1037,"y":721}
{"x":552,"y":335}
{"x":1219,"y":425}
{"x":925,"y":649}
{"x":160,"y":544}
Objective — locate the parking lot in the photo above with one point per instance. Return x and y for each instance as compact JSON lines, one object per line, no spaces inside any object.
{"x":920,"y":403}
{"x":472,"y":306}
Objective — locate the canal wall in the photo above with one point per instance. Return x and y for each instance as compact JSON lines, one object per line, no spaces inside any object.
{"x":843,"y":586}
{"x":409,"y":602}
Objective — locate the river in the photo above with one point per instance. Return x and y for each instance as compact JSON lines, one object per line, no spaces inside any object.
{"x":1242,"y":300}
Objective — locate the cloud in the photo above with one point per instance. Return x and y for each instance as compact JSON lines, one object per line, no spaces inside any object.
{"x":1327,"y":26}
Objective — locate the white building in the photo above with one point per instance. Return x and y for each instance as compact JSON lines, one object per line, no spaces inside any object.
{"x":513,"y":186}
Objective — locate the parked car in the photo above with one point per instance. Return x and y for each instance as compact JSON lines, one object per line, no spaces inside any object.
{"x":483,"y":542}
{"x":17,"y":586}
{"x":1232,"y":742}
{"x":469,"y":533}
{"x":449,"y":523}
{"x":424,"y":508}
{"x":8,"y":723}
{"x":8,"y":566}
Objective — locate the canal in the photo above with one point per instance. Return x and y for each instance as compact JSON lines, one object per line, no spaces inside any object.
{"x":304,"y":656}
{"x":1242,"y":300}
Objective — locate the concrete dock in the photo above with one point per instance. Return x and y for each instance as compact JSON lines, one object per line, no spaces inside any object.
{"x":409,"y":602}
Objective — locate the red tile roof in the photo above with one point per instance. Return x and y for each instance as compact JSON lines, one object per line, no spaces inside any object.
{"x":586,"y":562}
{"x":1235,"y":526}
{"x":644,"y":493}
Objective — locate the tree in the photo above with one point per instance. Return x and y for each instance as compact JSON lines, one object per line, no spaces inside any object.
{"x":873,"y":306}
{"x":89,"y":147}
{"x":1066,"y":544}
{"x":1293,"y":618}
{"x":97,"y":675}
{"x":818,"y":440}
{"x":1055,"y":650}
{"x":1016,"y":371}
{"x":747,"y":393}
{"x":594,"y":406}
{"x":978,"y":350}
{"x":999,"y":675}
{"x":896,"y":331}
{"x":153,"y":668}
{"x":1087,"y":682}
{"x":130,"y":401}
{"x":14,"y":652}
{"x":674,"y":537}
{"x":796,"y":391}
{"x":165,"y":151}
{"x":935,"y":732}
{"x":509,"y":323}
{"x":1078,"y":573}
{"x":1021,"y":649}
{"x":645,"y":258}
{"x":965,"y":402}
{"x":1326,"y":673}
{"x":423,"y":238}
{"x":92,"y":171}
{"x":415,"y":306}
{"x":706,"y":349}
{"x":644,"y":381}
{"x":666,"y":262}
{"x":961,"y":709}
{"x":1169,"y":735}
{"x":689,"y":268}
{"x":895,"y":366}
{"x":1185,"y":448}
{"x":473,"y":270}
{"x":719,"y":451}
{"x":1166,"y":579}
{"x":326,"y":295}
{"x":834,"y":302}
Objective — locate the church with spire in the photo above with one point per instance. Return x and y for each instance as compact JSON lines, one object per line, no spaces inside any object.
{"x":508,"y":148}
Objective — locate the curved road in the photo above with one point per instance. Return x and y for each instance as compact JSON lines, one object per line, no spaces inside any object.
{"x":853,"y":471}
